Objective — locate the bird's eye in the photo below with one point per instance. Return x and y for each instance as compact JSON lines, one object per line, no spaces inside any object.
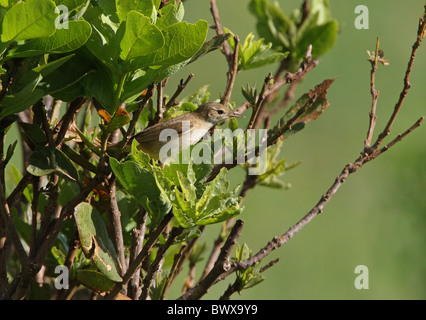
{"x":220,"y":111}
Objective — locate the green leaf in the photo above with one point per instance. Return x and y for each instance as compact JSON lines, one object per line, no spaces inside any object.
{"x":215,"y":204}
{"x":181,"y":41}
{"x":46,"y":160}
{"x":140,"y":38}
{"x":146,"y":7}
{"x":170,"y":14}
{"x":15,"y":103}
{"x":118,"y":120}
{"x":64,"y":40}
{"x":138,"y":181}
{"x":141,"y":184}
{"x":33,"y":134}
{"x":321,"y":37}
{"x":95,"y":241}
{"x":29,"y":19}
{"x":211,"y":45}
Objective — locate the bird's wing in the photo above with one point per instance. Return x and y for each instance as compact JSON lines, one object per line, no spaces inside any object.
{"x":152,"y":133}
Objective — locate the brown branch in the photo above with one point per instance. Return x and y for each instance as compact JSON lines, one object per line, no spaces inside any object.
{"x":154,"y":267}
{"x":38,"y":110}
{"x":63,"y":126}
{"x":260,"y":99}
{"x":141,"y":257}
{"x":180,"y":258}
{"x":137,"y":113}
{"x":138,"y":235}
{"x":219,"y":31}
{"x":375,"y":96}
{"x":160,"y":103}
{"x":222,"y":264}
{"x":17,"y":192}
{"x":349,"y":169}
{"x":117,"y":231}
{"x":232,"y":73}
{"x":407,"y":85}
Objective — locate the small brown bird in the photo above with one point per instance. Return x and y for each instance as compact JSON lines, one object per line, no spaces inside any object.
{"x":190,"y":127}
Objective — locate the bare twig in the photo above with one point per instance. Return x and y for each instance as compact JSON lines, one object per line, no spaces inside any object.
{"x":407,"y":85}
{"x":218,"y":26}
{"x":141,"y":257}
{"x":67,"y":119}
{"x":153,"y":268}
{"x":137,"y":113}
{"x":259,"y":101}
{"x":232,"y":73}
{"x":375,"y":95}
{"x":173,"y":100}
{"x":160,"y":103}
{"x":222,"y":264}
{"x":138,"y":235}
{"x":349,"y":169}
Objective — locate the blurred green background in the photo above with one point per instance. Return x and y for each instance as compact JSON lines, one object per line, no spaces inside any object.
{"x":378,"y":217}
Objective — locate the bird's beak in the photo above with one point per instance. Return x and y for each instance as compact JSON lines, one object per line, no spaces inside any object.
{"x":236,"y":115}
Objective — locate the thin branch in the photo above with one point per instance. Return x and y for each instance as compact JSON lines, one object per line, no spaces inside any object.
{"x":232,"y":73}
{"x":222,"y":265}
{"x":160,"y":103}
{"x":407,"y":85}
{"x":117,"y":231}
{"x":398,"y":138}
{"x":219,"y":31}
{"x":38,"y":109}
{"x":173,"y":100}
{"x":137,"y":113}
{"x":259,"y":101}
{"x":217,"y":245}
{"x":138,"y":235}
{"x":236,"y":286}
{"x":375,"y":95}
{"x":67,"y":119}
{"x":141,"y":257}
{"x":181,"y":258}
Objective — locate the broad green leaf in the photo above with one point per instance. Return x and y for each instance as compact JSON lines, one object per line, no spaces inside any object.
{"x":142,"y":185}
{"x":140,"y":38}
{"x":65,"y":85}
{"x":95,"y":280}
{"x":45,"y":160}
{"x":64,"y":40}
{"x":146,"y":7}
{"x":33,"y":134}
{"x":170,"y":14}
{"x":181,"y":41}
{"x":215,"y":203}
{"x":95,"y":241}
{"x":29,"y":19}
{"x":211,"y":45}
{"x":138,"y":181}
{"x":322,"y":39}
{"x":104,"y":42}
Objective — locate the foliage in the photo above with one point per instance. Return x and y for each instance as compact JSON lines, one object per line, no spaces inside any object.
{"x":92,"y":208}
